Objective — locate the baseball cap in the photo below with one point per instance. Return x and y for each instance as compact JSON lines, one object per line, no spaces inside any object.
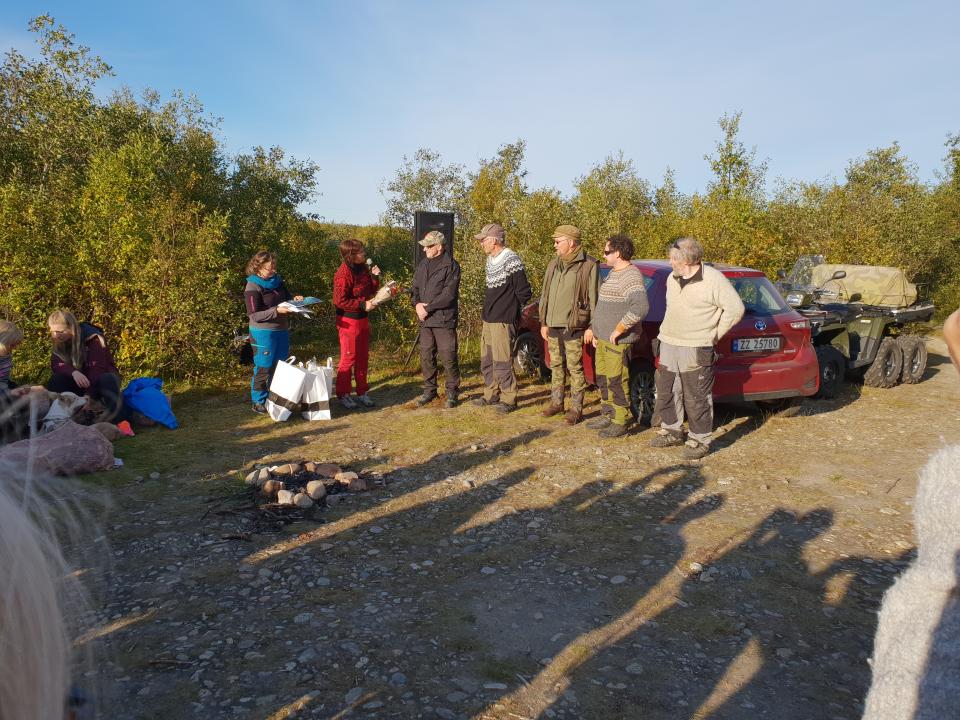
{"x":490,"y":230}
{"x":434,"y":237}
{"x":570,"y":231}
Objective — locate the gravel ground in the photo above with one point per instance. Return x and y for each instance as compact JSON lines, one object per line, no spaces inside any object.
{"x":518,"y":568}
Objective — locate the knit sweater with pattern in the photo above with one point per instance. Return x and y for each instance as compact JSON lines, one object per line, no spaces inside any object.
{"x":700,"y":310}
{"x":508,"y":289}
{"x":622,"y":304}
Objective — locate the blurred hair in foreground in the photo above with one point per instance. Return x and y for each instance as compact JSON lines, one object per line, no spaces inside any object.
{"x":45,"y":526}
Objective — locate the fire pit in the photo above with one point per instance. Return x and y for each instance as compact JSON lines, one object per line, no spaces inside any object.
{"x":304,"y":485}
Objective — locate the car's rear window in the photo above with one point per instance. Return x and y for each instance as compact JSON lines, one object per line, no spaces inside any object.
{"x":759,"y":296}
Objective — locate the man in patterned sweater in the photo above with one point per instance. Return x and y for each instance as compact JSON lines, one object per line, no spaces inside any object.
{"x":621,"y":306}
{"x":507,"y":292}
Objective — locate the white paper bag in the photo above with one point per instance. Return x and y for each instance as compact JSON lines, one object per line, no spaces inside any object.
{"x":317,"y":389}
{"x":285,"y":389}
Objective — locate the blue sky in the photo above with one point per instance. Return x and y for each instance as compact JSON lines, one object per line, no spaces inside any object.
{"x":355,"y":86}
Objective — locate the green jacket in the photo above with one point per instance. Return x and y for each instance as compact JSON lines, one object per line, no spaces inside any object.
{"x":569,"y":292}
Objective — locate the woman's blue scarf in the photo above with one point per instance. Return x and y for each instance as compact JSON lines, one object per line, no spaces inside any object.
{"x":271,"y":283}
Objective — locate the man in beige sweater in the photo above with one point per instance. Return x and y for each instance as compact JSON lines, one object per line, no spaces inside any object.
{"x":702,"y":306}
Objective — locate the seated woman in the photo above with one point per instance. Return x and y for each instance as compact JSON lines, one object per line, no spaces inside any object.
{"x":82,"y":363}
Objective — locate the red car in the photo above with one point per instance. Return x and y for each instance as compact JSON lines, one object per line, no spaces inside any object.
{"x":767,"y":357}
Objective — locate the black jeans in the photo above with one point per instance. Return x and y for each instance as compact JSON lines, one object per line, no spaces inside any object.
{"x":105,"y":388}
{"x":440,"y":342}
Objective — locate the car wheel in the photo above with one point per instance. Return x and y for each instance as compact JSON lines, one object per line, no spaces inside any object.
{"x":914,"y":351}
{"x":528,"y":358}
{"x":832,"y":370}
{"x":643,"y":397}
{"x":885,"y":369}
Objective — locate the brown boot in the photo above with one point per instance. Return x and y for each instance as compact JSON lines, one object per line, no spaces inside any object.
{"x":575,"y":413}
{"x":555,"y":406}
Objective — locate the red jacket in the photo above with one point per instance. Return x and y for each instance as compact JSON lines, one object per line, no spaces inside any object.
{"x":98,"y":361}
{"x":352,"y":287}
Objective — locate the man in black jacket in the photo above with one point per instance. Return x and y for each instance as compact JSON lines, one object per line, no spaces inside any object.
{"x":436,"y":288}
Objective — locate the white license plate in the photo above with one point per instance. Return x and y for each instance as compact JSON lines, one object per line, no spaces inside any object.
{"x":760,"y":344}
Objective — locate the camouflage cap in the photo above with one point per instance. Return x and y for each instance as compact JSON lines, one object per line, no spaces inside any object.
{"x":434,"y":237}
{"x":490,"y":230}
{"x":570,"y":231}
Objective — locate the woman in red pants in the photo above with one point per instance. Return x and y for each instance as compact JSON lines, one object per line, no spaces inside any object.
{"x":354,"y":284}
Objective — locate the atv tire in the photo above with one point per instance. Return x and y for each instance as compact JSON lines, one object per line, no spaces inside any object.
{"x":884,"y":371}
{"x":914,"y":358}
{"x":833,"y":367}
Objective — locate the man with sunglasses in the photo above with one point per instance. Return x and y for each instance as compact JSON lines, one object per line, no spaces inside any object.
{"x":621,"y":307}
{"x":567,"y":301}
{"x":702,"y":306}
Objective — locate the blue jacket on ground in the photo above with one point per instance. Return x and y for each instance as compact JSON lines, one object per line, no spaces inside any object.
{"x":144,"y":395}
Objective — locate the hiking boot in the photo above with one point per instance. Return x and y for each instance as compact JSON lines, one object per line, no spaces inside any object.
{"x":693,"y":450}
{"x":366,"y":401}
{"x":613,"y":430}
{"x":666,"y":439}
{"x":451,"y":401}
{"x":555,"y":406}
{"x":348,"y":403}
{"x":575,"y":413}
{"x":503,"y":408}
{"x":600,"y":422}
{"x":483,"y":402}
{"x":260,"y":408}
{"x":425,"y":399}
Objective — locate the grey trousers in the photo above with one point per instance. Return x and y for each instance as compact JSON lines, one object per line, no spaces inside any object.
{"x":439,"y":343}
{"x":685,"y":390}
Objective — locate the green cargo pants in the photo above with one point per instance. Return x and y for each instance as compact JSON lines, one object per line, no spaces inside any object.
{"x":566,"y":358}
{"x":613,"y":380}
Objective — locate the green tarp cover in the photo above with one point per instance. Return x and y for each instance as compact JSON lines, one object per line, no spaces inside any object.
{"x":868,"y":284}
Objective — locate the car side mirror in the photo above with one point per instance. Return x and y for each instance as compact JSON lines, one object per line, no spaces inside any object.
{"x":781,"y":274}
{"x":839,"y":275}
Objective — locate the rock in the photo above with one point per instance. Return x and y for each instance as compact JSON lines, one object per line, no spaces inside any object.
{"x":634,"y":669}
{"x":257,"y":477}
{"x":344,"y":477}
{"x":486,"y":570}
{"x":71,"y":449}
{"x":784,"y":653}
{"x":456,"y":696}
{"x":302,"y":500}
{"x":288,"y":469}
{"x":323,"y":469}
{"x":351,"y":697}
{"x":358,"y":484}
{"x":303,"y":618}
{"x":154,"y":475}
{"x":398,"y":679}
{"x":272,"y":487}
{"x":110,"y":431}
{"x":695,"y":567}
{"x":307,"y":655}
{"x":316,"y":490}
{"x":494,"y":686}
{"x":618,"y":580}
{"x":445,"y":713}
{"x":285,"y":497}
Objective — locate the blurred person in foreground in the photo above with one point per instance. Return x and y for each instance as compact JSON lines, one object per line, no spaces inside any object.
{"x":434,"y":294}
{"x":916,"y":653}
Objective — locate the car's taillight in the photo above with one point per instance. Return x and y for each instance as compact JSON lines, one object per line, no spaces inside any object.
{"x":800,"y":324}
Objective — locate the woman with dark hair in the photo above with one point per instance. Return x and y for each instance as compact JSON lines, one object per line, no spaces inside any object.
{"x":354,"y":285}
{"x":269,"y":328}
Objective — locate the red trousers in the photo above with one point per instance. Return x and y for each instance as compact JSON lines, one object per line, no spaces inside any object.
{"x":354,"y":352}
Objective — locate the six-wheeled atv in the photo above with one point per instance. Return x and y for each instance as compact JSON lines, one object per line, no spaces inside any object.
{"x":858,"y":316}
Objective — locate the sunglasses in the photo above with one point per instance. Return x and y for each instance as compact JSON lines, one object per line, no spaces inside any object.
{"x":609,"y":252}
